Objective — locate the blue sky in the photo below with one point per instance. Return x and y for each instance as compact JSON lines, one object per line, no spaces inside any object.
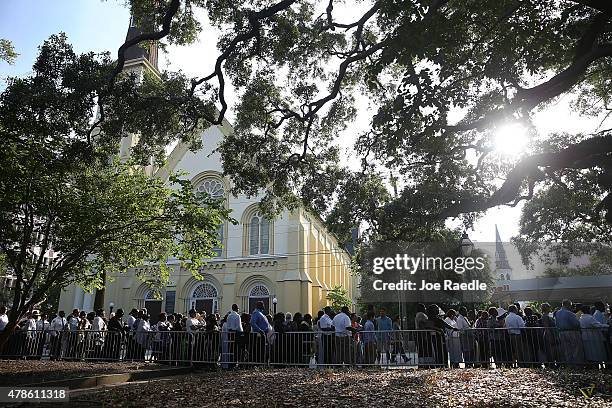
{"x":91,"y":25}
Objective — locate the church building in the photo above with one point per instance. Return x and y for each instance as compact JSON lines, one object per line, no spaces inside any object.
{"x":292,"y":260}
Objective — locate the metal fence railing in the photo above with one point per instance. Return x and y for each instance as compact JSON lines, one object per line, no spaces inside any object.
{"x":400,"y":348}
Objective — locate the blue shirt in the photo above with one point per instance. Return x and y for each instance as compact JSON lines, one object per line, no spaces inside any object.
{"x":599,"y":316}
{"x":368,"y":328}
{"x":566,"y":320}
{"x":259,"y":323}
{"x":384,"y":323}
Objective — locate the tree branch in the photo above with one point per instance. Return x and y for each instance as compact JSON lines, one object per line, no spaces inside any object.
{"x":575,"y":156}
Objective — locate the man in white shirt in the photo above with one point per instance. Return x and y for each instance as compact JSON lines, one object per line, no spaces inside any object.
{"x":31,"y":339}
{"x":192,"y":324}
{"x":131,"y":319}
{"x":514,"y":324}
{"x":233,"y":320}
{"x":56,"y":328}
{"x":99,"y":324}
{"x":31,"y":327}
{"x":233,"y":325}
{"x":42,"y":329}
{"x":343,"y":329}
{"x":3,"y":318}
{"x":58,"y":324}
{"x":327,"y":338}
{"x":466,"y":336}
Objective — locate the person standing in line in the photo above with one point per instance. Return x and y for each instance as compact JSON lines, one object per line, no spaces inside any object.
{"x":343,"y":332}
{"x":73,"y":325}
{"x":549,"y":334}
{"x":98,"y":329}
{"x":357,"y":345}
{"x":116,"y":328}
{"x":71,"y":334}
{"x":3,"y":318}
{"x":384,"y":324}
{"x":260,"y":327}
{"x":466,"y":336}
{"x":592,"y":337}
{"x":398,"y":340}
{"x":570,"y":339}
{"x":327,"y":336}
{"x":32,"y":337}
{"x":514,"y":325}
{"x":42,"y":330}
{"x":600,"y":312}
{"x":234,"y":334}
{"x":368,"y":337}
{"x":452,"y":338}
{"x":130,"y":343}
{"x":56,"y":331}
{"x":143,"y":336}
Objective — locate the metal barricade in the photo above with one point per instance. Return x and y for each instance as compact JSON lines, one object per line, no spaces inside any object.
{"x":481,"y":347}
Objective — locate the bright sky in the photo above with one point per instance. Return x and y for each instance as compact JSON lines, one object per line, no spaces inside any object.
{"x":95,"y":25}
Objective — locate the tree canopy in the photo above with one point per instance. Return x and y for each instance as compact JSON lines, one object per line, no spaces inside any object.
{"x":441,"y":77}
{"x":70,"y":210}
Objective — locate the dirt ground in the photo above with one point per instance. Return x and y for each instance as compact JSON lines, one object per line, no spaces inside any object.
{"x":362,"y":388}
{"x":20,"y":372}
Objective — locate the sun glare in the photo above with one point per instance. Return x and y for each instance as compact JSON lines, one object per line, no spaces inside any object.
{"x":511,"y":139}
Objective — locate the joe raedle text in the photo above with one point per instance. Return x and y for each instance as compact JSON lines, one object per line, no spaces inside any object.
{"x":447,"y":284}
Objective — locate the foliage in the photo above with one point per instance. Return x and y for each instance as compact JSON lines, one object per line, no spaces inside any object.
{"x":62,"y":190}
{"x":7,"y":51}
{"x":600,"y":263}
{"x":339,"y":297}
{"x":441,"y":78}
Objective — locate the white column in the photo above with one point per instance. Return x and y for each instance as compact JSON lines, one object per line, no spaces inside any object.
{"x":88,"y":299}
{"x":78,"y":298}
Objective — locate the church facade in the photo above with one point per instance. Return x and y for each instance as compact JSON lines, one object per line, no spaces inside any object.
{"x":291,"y":259}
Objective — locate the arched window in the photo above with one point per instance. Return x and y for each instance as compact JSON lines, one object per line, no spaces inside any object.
{"x":211,"y":186}
{"x":214,"y":188}
{"x":259,"y":293}
{"x":259,"y":235}
{"x":205,"y":298}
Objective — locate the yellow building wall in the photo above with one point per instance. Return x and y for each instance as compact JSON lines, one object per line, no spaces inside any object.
{"x":299,"y":279}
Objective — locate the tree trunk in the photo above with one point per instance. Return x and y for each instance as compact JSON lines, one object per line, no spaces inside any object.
{"x":6,"y":334}
{"x":99,"y":299}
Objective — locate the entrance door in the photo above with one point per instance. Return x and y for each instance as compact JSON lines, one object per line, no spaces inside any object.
{"x":154,"y":308}
{"x":204,"y":305}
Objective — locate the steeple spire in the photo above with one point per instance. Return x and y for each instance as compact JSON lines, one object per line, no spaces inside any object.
{"x":501,"y":259}
{"x":137,"y":52}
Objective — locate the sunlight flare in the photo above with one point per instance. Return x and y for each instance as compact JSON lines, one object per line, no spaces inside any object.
{"x":511,"y":139}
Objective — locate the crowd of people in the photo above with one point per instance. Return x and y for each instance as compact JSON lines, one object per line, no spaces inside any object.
{"x":571,"y":334}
